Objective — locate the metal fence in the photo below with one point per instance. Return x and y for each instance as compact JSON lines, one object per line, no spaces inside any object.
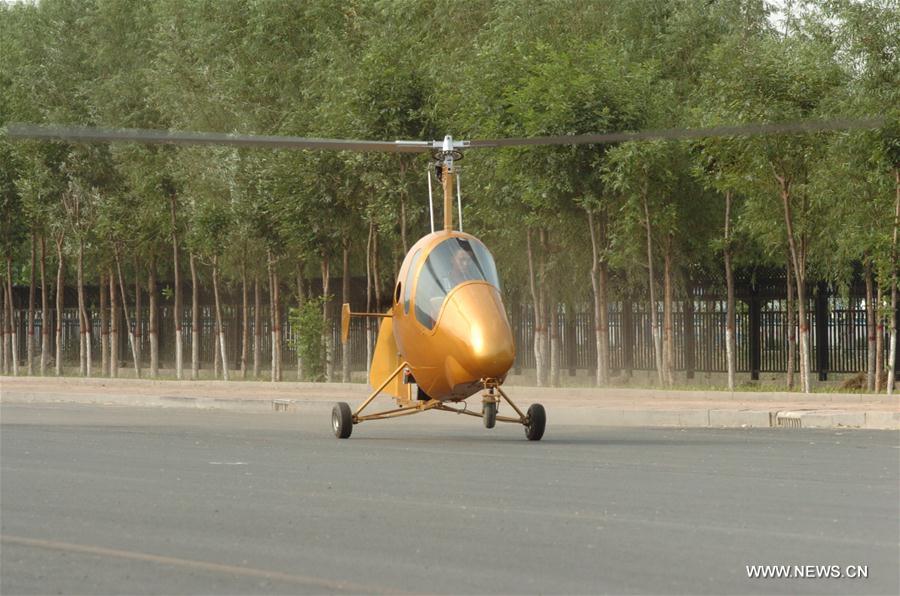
{"x":231,"y":323}
{"x":837,"y":335}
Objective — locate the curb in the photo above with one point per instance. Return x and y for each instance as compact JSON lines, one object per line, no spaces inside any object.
{"x":562,"y":414}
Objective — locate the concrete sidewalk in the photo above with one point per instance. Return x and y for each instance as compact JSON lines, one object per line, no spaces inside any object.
{"x":566,"y":406}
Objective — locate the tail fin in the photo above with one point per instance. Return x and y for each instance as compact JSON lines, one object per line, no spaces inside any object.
{"x":385,"y":360}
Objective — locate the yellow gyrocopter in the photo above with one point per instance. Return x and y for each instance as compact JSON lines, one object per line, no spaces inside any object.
{"x":446,"y":333}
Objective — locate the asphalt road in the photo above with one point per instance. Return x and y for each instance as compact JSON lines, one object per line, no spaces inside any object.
{"x":145,"y":501}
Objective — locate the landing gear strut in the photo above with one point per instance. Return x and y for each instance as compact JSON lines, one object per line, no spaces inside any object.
{"x":343,"y":418}
{"x":535,"y":421}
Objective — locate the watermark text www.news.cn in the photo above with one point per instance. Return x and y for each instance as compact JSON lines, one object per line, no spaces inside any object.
{"x":807,"y":571}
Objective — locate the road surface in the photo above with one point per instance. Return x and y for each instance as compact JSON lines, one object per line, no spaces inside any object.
{"x":108,"y":500}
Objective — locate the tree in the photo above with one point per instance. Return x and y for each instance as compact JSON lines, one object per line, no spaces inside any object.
{"x":779,"y":80}
{"x":549,"y":68}
{"x":12,"y":231}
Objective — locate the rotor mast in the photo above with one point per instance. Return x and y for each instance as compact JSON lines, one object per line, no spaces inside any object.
{"x":447,"y":180}
{"x":447,"y":155}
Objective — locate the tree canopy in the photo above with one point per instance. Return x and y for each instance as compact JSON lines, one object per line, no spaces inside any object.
{"x":481,"y":69}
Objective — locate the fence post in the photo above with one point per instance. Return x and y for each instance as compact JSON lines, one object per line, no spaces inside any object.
{"x":822,"y":330}
{"x":755,"y":332}
{"x":627,"y":337}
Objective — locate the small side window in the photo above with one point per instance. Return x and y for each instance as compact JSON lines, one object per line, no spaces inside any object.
{"x":407,"y":294}
{"x":397,"y":294}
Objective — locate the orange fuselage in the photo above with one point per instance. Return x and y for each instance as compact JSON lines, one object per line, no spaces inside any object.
{"x":458,"y":335}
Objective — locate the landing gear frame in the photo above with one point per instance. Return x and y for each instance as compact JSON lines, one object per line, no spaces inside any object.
{"x":534,"y":421}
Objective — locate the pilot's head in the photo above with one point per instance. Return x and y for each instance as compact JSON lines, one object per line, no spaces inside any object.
{"x":460,"y":261}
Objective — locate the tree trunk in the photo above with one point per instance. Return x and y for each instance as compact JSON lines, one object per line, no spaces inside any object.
{"x":791,"y":327}
{"x":403,"y":223}
{"x":599,"y":286}
{"x":176,"y":310}
{"x":60,"y":293}
{"x":29,"y":350}
{"x":376,"y":278}
{"x":216,"y":348}
{"x":544,"y":303}
{"x":11,"y":308}
{"x":798,"y":258}
{"x":4,"y":333}
{"x":892,"y":350}
{"x":113,"y":327}
{"x":892,"y":346}
{"x":345,"y":297}
{"x":271,"y":285}
{"x":668,"y":326}
{"x":688,"y":327}
{"x":82,"y":323}
{"x":153,"y":326}
{"x":84,"y":317}
{"x":554,"y":343}
{"x":104,"y":328}
{"x":730,"y":352}
{"x":654,"y":315}
{"x":276,"y":323}
{"x":803,"y":317}
{"x":128,"y":325}
{"x":273,"y":371}
{"x":257,"y":328}
{"x":138,"y":322}
{"x":369,"y":299}
{"x":538,"y":315}
{"x":195,"y":320}
{"x":301,"y":300}
{"x":879,"y":337}
{"x":403,"y":206}
{"x":245,"y":322}
{"x":45,"y":310}
{"x":4,"y":330}
{"x":221,"y":329}
{"x":870,"y":327}
{"x":326,"y":315}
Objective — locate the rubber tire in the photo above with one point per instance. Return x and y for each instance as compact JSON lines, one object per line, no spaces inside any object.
{"x":537,"y":421}
{"x":342,"y":420}
{"x":489,"y":413}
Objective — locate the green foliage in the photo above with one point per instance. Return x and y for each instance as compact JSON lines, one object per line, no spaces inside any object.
{"x":308,"y":333}
{"x":411,"y":69}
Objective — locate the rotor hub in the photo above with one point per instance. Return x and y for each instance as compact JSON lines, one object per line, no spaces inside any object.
{"x":449,"y":151}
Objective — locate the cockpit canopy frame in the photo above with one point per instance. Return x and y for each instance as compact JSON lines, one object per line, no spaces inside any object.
{"x":449,"y":263}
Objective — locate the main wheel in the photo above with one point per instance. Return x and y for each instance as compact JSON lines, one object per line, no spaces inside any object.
{"x":489,"y":412}
{"x":537,"y":421}
{"x":342,"y":420}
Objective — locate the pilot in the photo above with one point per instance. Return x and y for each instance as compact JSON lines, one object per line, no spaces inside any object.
{"x":459,"y":269}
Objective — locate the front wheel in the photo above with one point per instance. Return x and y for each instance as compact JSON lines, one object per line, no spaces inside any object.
{"x":489,"y":412}
{"x":342,"y":420}
{"x":536,"y":422}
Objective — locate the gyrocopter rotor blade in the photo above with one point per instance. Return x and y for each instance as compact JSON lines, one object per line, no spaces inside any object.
{"x":90,"y":134}
{"x":742,"y":130}
{"x":164,"y":137}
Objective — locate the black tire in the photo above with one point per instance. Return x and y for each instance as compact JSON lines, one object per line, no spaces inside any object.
{"x":342,"y":420}
{"x":489,"y":413}
{"x":537,"y":421}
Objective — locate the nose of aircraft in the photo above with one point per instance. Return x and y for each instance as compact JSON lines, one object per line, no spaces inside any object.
{"x":474,"y":320}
